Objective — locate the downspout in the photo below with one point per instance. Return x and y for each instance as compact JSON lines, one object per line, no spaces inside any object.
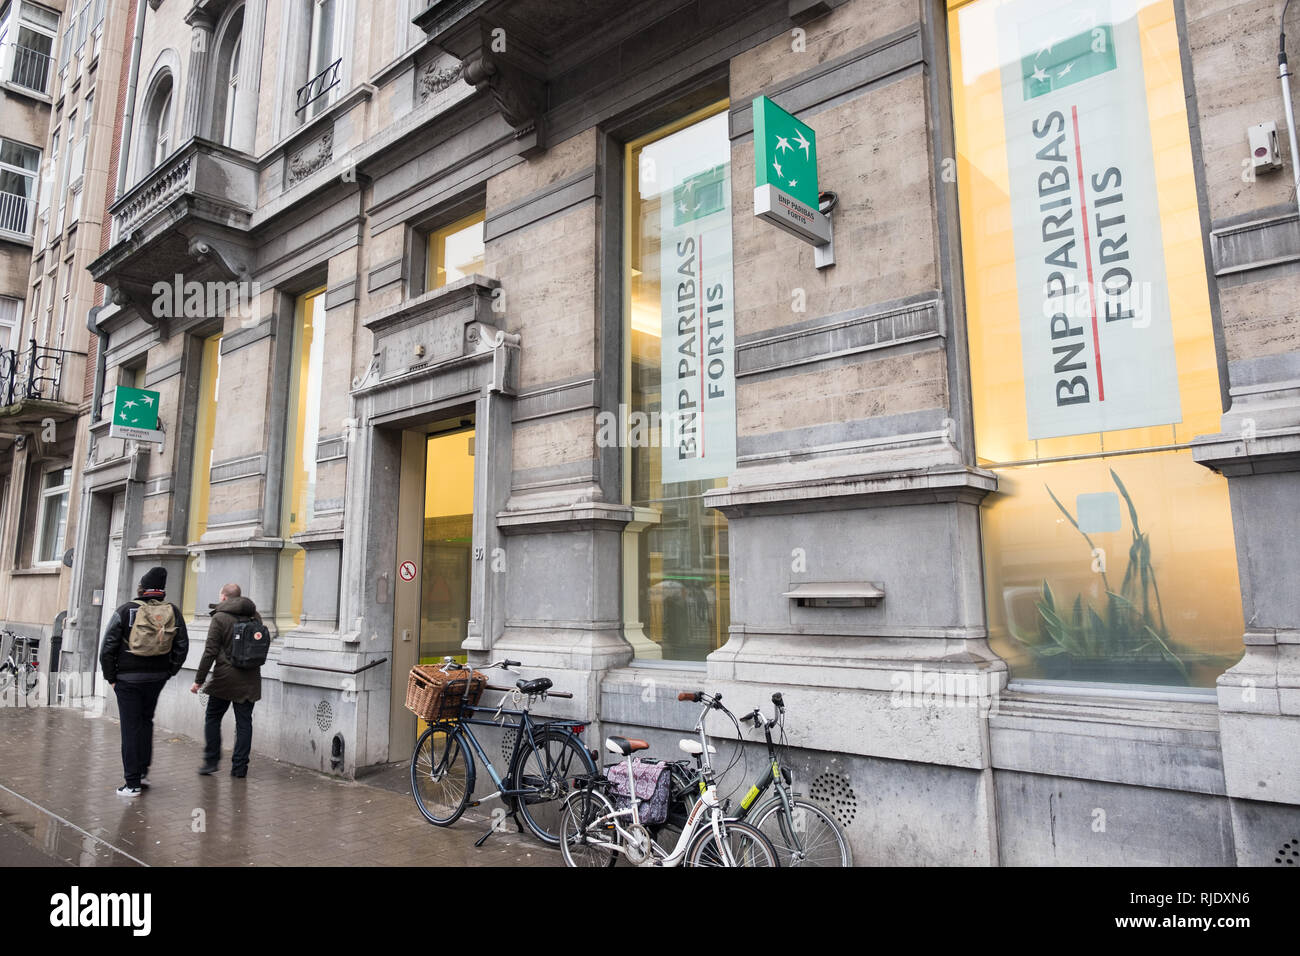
{"x":128,"y":115}
{"x":101,"y":363}
{"x":1284,"y":75}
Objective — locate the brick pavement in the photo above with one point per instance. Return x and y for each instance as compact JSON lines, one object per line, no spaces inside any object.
{"x":59,"y":767}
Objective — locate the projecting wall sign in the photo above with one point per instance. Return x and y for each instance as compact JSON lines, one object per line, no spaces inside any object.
{"x":785,"y":174}
{"x":135,"y":415}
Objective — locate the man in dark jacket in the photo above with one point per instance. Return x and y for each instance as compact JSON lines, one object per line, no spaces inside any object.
{"x":137,"y":663}
{"x":230,"y":685}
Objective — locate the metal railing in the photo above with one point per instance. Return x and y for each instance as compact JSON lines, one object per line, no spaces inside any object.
{"x":319,"y":85}
{"x":29,"y":68}
{"x":17,"y":214}
{"x":35,"y":372}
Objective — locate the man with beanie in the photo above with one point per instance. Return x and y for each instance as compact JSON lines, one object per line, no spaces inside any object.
{"x":240,"y":686}
{"x":146,"y":644}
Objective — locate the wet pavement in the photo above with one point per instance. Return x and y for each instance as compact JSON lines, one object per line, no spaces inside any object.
{"x":59,"y":768}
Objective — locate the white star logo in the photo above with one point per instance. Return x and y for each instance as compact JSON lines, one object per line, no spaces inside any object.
{"x":147,"y":399}
{"x":803,"y":143}
{"x":1040,"y":74}
{"x":122,"y":416}
{"x":128,"y":404}
{"x":777,"y":167}
{"x":1065,"y":69}
{"x":793,"y":183}
{"x":782,"y":143}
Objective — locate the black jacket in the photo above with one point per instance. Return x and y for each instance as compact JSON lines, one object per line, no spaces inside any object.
{"x":116,"y":660}
{"x":228,"y":681}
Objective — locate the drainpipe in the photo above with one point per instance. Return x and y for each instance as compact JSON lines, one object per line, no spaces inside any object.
{"x":128,"y":115}
{"x":1285,"y":75}
{"x":101,"y":364}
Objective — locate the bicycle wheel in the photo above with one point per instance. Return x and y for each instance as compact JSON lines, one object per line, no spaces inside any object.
{"x":811,"y":838}
{"x":547,"y":768}
{"x":31,"y":677}
{"x":581,"y":809}
{"x":442,"y":774}
{"x":745,"y":846}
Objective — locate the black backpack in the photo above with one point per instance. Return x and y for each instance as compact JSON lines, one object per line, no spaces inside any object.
{"x":250,"y":642}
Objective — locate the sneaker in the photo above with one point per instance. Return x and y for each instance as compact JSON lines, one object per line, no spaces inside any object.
{"x":208,"y":768}
{"x":239,"y":774}
{"x":126,"y":791}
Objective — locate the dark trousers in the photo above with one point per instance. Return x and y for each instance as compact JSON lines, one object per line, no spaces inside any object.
{"x":136,"y":702}
{"x":243,"y":733}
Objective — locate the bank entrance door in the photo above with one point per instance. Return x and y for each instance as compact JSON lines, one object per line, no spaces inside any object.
{"x":435,"y":554}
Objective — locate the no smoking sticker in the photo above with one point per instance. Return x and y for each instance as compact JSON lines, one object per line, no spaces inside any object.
{"x":407,"y":570}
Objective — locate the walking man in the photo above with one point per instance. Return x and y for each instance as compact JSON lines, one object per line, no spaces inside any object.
{"x":145,"y":645}
{"x":237,"y":644}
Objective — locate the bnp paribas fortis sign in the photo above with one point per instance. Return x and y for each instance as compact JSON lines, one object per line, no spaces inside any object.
{"x":785,"y":173}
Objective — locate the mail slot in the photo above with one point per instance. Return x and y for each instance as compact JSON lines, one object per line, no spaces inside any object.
{"x":836,"y":594}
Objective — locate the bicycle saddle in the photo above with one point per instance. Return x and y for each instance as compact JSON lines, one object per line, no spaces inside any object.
{"x":624,"y":746}
{"x":534,"y":686}
{"x":693,"y":747}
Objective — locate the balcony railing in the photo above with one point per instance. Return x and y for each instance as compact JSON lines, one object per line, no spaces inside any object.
{"x":319,"y":85}
{"x":34,"y":373}
{"x":29,"y":68}
{"x":17,"y":214}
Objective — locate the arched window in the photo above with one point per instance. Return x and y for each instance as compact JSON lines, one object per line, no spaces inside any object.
{"x":232,"y":94}
{"x":225,"y":95}
{"x":156,"y":137}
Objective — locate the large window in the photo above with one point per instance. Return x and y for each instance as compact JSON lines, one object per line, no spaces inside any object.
{"x":27,"y":33}
{"x":205,"y":423}
{"x":19,"y":165}
{"x":678,"y":269}
{"x":52,"y":515}
{"x":455,"y":251}
{"x":1109,"y":554}
{"x":306,"y":374}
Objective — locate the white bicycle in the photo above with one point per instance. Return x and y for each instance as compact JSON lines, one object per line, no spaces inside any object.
{"x":594,"y":833}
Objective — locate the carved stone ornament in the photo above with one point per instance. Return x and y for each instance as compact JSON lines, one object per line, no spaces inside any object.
{"x":432,"y":81}
{"x":311,"y":157}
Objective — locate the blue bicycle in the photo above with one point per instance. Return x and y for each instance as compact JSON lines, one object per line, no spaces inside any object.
{"x":546,"y":758}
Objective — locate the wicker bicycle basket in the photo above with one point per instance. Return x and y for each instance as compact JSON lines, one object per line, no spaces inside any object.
{"x":437,"y":695}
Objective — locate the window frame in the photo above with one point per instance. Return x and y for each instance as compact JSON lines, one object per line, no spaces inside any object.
{"x":627,"y":148}
{"x":34,"y":185}
{"x":43,"y":497}
{"x":435,"y":245}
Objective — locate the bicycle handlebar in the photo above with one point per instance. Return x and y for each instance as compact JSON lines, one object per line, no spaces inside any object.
{"x":690,"y":695}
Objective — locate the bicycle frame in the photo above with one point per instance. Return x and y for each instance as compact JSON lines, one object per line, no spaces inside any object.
{"x":523,"y":728}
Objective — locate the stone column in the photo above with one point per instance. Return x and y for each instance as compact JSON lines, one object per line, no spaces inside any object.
{"x":250,"y":76}
{"x":196,"y":83}
{"x":1258,"y":451}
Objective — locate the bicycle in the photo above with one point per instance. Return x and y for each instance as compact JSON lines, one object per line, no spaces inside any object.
{"x":545,"y":757}
{"x":594,"y":833}
{"x":806,"y":833}
{"x":19,"y":660}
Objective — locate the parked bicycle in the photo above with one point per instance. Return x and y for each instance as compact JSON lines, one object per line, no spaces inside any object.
{"x":546,"y":758}
{"x":19,"y":663}
{"x":594,"y":833}
{"x":804,"y":832}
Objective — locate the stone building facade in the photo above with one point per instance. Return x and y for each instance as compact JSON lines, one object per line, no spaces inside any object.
{"x":392,"y":276}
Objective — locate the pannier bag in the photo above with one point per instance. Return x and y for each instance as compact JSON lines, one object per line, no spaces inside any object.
{"x":250,"y":642}
{"x":437,"y":695}
{"x":653,"y":783}
{"x":152,"y":631}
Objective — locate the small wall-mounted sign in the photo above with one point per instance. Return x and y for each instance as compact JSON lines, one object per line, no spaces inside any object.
{"x":785,"y":174}
{"x":135,"y":415}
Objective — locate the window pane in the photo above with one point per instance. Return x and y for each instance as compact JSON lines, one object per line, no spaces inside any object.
{"x":455,"y":251}
{"x":679,"y":182}
{"x":1114,"y":568}
{"x":16,"y":154}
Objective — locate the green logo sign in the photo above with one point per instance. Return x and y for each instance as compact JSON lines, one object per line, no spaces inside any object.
{"x":785,"y":152}
{"x":135,"y":414}
{"x":1059,"y":64}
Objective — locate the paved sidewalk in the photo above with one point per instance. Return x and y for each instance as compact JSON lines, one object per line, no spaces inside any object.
{"x":59,"y":767}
